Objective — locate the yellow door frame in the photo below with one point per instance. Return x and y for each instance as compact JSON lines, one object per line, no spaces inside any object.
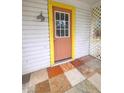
{"x":52,"y":3}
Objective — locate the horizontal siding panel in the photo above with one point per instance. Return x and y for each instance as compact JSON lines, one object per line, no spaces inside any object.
{"x":38,"y":56}
{"x":39,"y":52}
{"x":35,"y":14}
{"x":81,"y":15}
{"x":32,"y":31}
{"x":36,"y":48}
{"x":33,"y":9}
{"x":33,"y":18}
{"x":37,"y":1}
{"x":82,"y":40}
{"x":32,"y":4}
{"x":32,"y":60}
{"x":82,"y":18}
{"x":43,"y":31}
{"x":35,"y":37}
{"x":32,"y":57}
{"x":32,"y":23}
{"x":83,"y":31}
{"x":78,"y":26}
{"x":42,"y":28}
{"x":31,"y":40}
{"x":34,"y":40}
{"x":85,"y":21}
{"x":35,"y":44}
{"x":84,"y":44}
{"x":27,"y":9}
{"x":83,"y":11}
{"x":40,"y":61}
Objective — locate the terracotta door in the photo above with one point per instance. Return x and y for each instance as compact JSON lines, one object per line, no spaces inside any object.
{"x":62,"y":33}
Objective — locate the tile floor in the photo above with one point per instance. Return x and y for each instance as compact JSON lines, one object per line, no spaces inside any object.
{"x":80,"y":76}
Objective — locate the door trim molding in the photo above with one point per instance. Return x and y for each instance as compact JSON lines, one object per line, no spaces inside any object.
{"x":52,"y":3}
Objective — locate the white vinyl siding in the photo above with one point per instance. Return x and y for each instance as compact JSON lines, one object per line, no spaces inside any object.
{"x":82,"y":32}
{"x":35,"y":36}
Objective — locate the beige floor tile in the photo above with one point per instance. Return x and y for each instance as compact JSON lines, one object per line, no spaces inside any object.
{"x":94,"y":64}
{"x":74,"y":76}
{"x":87,"y":87}
{"x":25,"y":87}
{"x":96,"y":81}
{"x":87,"y":58}
{"x":38,"y":76}
{"x":98,"y":70}
{"x":74,"y":90}
{"x":31,"y":89}
{"x":86,"y":71}
{"x":59,"y":84}
{"x":42,"y":87}
{"x":83,"y":87}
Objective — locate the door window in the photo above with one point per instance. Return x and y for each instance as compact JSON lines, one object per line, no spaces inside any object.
{"x":62,"y":24}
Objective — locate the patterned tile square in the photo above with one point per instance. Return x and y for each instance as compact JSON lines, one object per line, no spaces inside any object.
{"x":59,"y":84}
{"x":74,"y":76}
{"x":54,"y":71}
{"x":94,"y":64}
{"x":74,"y":90}
{"x":38,"y":76}
{"x":25,"y":87}
{"x":96,"y":81}
{"x":42,"y":87}
{"x":25,"y":78}
{"x":87,"y":87}
{"x":76,"y":63}
{"x":24,"y":90}
{"x":67,"y":67}
{"x":31,"y":89}
{"x":98,"y":70}
{"x":82,"y":61}
{"x":86,"y":71}
{"x":87,"y":58}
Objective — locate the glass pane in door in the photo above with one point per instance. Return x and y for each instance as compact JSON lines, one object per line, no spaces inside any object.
{"x":62,"y":16}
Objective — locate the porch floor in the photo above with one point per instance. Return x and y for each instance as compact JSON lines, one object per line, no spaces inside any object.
{"x":80,"y":76}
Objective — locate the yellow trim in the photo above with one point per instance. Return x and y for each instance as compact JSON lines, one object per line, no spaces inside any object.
{"x":51,"y":32}
{"x":65,"y":6}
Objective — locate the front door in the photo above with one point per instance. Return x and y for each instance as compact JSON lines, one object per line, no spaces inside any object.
{"x":62,"y":33}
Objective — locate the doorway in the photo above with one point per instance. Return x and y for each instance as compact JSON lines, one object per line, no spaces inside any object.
{"x":62,"y":30}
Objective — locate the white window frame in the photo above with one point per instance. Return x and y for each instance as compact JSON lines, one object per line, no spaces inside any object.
{"x":60,"y":25}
